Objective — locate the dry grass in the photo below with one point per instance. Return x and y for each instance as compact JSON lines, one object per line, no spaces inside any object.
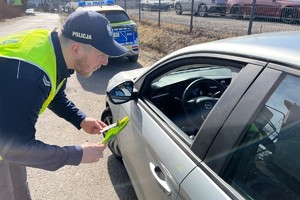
{"x":170,"y":37}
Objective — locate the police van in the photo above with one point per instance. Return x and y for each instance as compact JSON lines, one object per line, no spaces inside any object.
{"x":124,"y":29}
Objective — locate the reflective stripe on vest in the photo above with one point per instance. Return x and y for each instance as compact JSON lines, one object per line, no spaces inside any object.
{"x":34,"y":47}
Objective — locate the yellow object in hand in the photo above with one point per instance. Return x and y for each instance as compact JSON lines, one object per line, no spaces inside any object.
{"x":114,"y":131}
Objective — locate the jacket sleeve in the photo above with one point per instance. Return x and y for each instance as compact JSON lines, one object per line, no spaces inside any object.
{"x":22,"y":93}
{"x":65,"y":108}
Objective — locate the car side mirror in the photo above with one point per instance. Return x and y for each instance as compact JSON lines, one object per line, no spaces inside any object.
{"x":121,"y":93}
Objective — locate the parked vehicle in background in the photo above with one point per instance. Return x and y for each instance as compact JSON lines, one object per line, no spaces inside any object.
{"x":212,"y":121}
{"x":154,"y":5}
{"x":30,"y":11}
{"x":125,"y":30}
{"x":287,"y":11}
{"x":201,"y":7}
{"x":70,"y":7}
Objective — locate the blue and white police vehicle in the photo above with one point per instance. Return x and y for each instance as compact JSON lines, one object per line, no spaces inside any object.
{"x":125,"y":30}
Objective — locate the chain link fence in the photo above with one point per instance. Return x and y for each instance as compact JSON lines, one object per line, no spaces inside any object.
{"x":236,"y":16}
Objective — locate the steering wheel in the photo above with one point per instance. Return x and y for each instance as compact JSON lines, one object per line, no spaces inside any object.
{"x":197,"y":105}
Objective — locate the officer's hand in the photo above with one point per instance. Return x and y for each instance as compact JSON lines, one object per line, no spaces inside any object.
{"x":92,"y":152}
{"x":92,"y":126}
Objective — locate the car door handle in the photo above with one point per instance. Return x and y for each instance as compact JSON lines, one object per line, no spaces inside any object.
{"x":160,"y":178}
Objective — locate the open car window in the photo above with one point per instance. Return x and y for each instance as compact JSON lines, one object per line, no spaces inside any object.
{"x":192,"y":71}
{"x":187,"y":91}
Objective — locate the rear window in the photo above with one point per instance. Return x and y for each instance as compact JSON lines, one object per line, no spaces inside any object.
{"x":115,"y":16}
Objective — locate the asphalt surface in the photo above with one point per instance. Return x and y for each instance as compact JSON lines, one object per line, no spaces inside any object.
{"x":106,"y":179}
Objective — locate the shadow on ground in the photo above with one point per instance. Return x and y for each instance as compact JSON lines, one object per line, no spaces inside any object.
{"x":120,"y":179}
{"x":97,"y":83}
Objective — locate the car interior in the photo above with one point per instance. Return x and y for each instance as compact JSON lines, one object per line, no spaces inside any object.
{"x":187,"y":93}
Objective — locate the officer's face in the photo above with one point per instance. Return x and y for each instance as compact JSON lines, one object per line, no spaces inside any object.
{"x":90,"y":60}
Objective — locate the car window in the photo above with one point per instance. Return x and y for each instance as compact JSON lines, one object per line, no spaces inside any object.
{"x":187,"y":92}
{"x":265,"y":164}
{"x":116,"y":16}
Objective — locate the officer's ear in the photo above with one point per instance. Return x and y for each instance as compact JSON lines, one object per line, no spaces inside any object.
{"x":75,"y":48}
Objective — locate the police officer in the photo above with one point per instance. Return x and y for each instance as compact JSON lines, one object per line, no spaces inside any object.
{"x":34,"y":66}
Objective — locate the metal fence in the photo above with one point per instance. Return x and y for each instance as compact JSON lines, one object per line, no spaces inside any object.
{"x":254,"y":16}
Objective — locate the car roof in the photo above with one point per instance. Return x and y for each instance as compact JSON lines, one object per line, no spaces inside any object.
{"x":279,"y":47}
{"x":103,"y":8}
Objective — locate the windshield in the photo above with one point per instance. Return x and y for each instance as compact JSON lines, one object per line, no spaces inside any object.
{"x":116,"y":16}
{"x":191,"y":72}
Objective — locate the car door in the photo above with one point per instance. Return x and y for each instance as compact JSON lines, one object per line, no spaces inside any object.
{"x":156,"y":151}
{"x":266,"y":8}
{"x":256,"y":149}
{"x":186,"y":5}
{"x":194,"y":185}
{"x":246,"y":6}
{"x":148,"y":4}
{"x":144,"y":5}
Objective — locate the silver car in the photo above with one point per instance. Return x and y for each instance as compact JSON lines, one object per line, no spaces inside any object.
{"x":201,"y":7}
{"x":154,"y":5}
{"x":212,"y":121}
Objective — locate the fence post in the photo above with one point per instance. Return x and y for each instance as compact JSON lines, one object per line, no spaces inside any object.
{"x":159,"y":4}
{"x":251,"y":17}
{"x":192,"y":14}
{"x":139,"y":10}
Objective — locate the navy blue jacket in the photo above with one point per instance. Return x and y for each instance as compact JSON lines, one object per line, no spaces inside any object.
{"x":21,"y":98}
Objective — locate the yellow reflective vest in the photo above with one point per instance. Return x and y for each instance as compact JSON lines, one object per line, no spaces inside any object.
{"x":34,"y":47}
